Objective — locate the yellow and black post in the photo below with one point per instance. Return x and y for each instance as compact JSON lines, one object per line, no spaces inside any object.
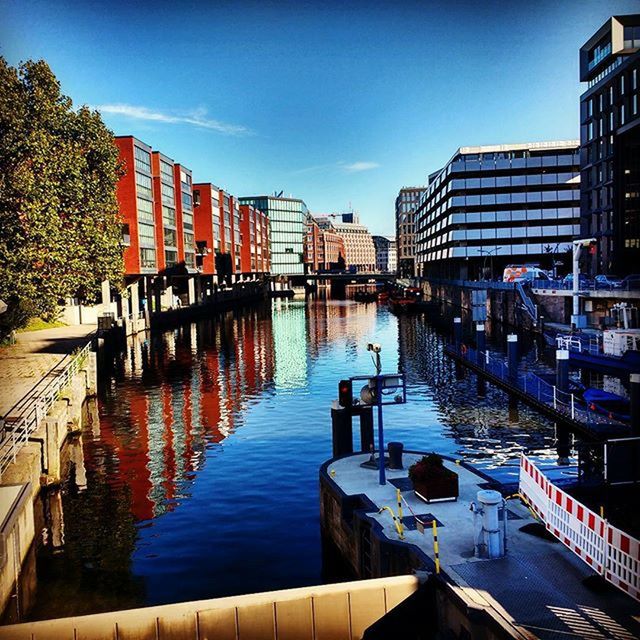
{"x":436,"y":551}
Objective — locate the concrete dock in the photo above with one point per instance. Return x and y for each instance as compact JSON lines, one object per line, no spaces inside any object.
{"x":538,"y":587}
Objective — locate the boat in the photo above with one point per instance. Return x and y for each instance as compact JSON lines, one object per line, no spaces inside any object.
{"x":365,"y":296}
{"x":609,"y":404}
{"x":616,"y":351}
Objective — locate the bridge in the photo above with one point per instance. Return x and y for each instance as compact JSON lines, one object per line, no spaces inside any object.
{"x":346,"y":278}
{"x":559,"y":406}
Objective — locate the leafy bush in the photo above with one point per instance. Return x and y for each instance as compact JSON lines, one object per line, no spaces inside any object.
{"x":429,"y":467}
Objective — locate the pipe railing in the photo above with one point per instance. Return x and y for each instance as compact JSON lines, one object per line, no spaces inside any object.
{"x":25,"y":416}
{"x":564,"y":402}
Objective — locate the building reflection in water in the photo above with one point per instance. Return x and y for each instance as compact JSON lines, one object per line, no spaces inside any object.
{"x":169,"y":406}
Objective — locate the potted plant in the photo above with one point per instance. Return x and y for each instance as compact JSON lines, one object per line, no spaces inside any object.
{"x":432,"y":481}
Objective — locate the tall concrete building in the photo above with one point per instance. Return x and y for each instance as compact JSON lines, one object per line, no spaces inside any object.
{"x":610,"y":145}
{"x":360,"y":252}
{"x":287,"y":229}
{"x":406,"y":205}
{"x":494,"y":205}
{"x":386,"y":258}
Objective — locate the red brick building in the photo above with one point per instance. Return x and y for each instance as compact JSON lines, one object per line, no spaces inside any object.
{"x":135,"y":198}
{"x":254,"y":232}
{"x":206,"y":200}
{"x":311,"y":246}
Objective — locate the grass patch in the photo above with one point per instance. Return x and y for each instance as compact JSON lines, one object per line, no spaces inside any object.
{"x":35,"y":324}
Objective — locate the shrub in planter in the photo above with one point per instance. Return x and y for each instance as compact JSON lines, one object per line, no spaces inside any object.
{"x":432,"y":480}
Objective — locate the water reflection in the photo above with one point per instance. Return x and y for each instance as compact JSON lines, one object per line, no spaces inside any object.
{"x":203,"y":463}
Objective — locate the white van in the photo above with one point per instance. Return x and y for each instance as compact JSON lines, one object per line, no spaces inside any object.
{"x":523,"y":272}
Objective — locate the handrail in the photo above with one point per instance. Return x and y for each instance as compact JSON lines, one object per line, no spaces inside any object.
{"x":564,"y":402}
{"x":26,"y":414}
{"x":529,"y":305}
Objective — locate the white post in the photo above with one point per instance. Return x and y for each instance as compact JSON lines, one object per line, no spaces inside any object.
{"x":554,"y":396}
{"x":573,"y":408}
{"x":106,"y":296}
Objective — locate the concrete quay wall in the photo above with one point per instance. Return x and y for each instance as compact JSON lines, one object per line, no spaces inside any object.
{"x":39,"y":463}
{"x":369,"y":554}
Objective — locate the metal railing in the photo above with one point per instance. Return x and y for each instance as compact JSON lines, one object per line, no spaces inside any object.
{"x":529,"y":306}
{"x":25,"y":416}
{"x":592,"y":346}
{"x":568,"y":404}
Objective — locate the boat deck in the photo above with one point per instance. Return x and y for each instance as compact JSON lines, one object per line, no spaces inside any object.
{"x":538,"y":587}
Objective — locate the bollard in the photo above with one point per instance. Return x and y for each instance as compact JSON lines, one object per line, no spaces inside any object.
{"x":341,"y":431}
{"x":634,"y":398}
{"x":512,"y":355}
{"x":457,"y":331}
{"x":481,"y":346}
{"x":562,"y":370}
{"x":395,"y":455}
{"x":366,"y":429}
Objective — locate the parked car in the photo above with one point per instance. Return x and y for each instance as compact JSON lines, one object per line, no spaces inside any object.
{"x":607,"y":282}
{"x":583,"y":281}
{"x":631,"y":282}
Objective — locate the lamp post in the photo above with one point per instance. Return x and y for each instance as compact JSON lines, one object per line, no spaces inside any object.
{"x":488,"y":252}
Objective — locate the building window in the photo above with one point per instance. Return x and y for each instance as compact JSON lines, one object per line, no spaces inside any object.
{"x":142,"y":159}
{"x":148,"y":258}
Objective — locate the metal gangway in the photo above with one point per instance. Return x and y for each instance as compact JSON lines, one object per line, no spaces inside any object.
{"x":568,"y":408}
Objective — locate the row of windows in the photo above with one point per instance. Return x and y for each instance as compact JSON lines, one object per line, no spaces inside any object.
{"x":507,"y":232}
{"x":514,"y":198}
{"x":278,"y":226}
{"x":441,"y":184}
{"x":492,"y":217}
{"x":494,"y":182}
{"x":527,"y":248}
{"x":631,"y":37}
{"x":187,"y":221}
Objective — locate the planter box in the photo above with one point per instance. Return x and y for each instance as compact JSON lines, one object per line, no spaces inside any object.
{"x":438,"y":489}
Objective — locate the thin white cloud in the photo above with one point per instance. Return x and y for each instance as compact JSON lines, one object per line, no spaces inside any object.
{"x":354,"y":167}
{"x":196,"y":118}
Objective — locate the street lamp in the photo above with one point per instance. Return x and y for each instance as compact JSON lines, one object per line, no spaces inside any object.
{"x":488,"y":252}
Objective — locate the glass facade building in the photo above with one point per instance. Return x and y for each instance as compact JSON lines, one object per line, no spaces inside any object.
{"x":494,"y":205}
{"x":287,"y":229}
{"x":610,"y":145}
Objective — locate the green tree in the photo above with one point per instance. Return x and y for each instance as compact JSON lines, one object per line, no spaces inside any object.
{"x":60,"y":228}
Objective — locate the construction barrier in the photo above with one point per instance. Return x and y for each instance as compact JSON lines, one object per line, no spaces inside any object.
{"x":609,"y":551}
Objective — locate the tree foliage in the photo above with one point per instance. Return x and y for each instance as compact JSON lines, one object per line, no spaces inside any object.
{"x":60,"y":228}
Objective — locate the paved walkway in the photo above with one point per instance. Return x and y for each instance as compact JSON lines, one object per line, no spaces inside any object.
{"x":36,"y":354}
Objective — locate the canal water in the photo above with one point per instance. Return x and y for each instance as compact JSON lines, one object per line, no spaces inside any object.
{"x":198,"y":475}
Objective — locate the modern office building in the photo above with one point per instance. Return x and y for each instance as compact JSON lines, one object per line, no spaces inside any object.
{"x":494,"y":205}
{"x":406,"y":205}
{"x":360,"y":252}
{"x":331,"y":254}
{"x":385,"y":254}
{"x":610,"y":145}
{"x":254,"y":233}
{"x":287,"y":228}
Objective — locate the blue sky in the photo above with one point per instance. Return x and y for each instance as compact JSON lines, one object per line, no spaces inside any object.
{"x":339,"y":103}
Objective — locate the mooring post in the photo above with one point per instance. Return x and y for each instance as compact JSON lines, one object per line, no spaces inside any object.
{"x":481,"y":346}
{"x":634,"y":398}
{"x":366,"y":429}
{"x":457,"y":331}
{"x":563,"y":436}
{"x":341,"y":430}
{"x":512,"y":355}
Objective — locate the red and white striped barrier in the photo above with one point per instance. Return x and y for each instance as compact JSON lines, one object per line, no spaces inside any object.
{"x":623,"y":561}
{"x":609,"y":551}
